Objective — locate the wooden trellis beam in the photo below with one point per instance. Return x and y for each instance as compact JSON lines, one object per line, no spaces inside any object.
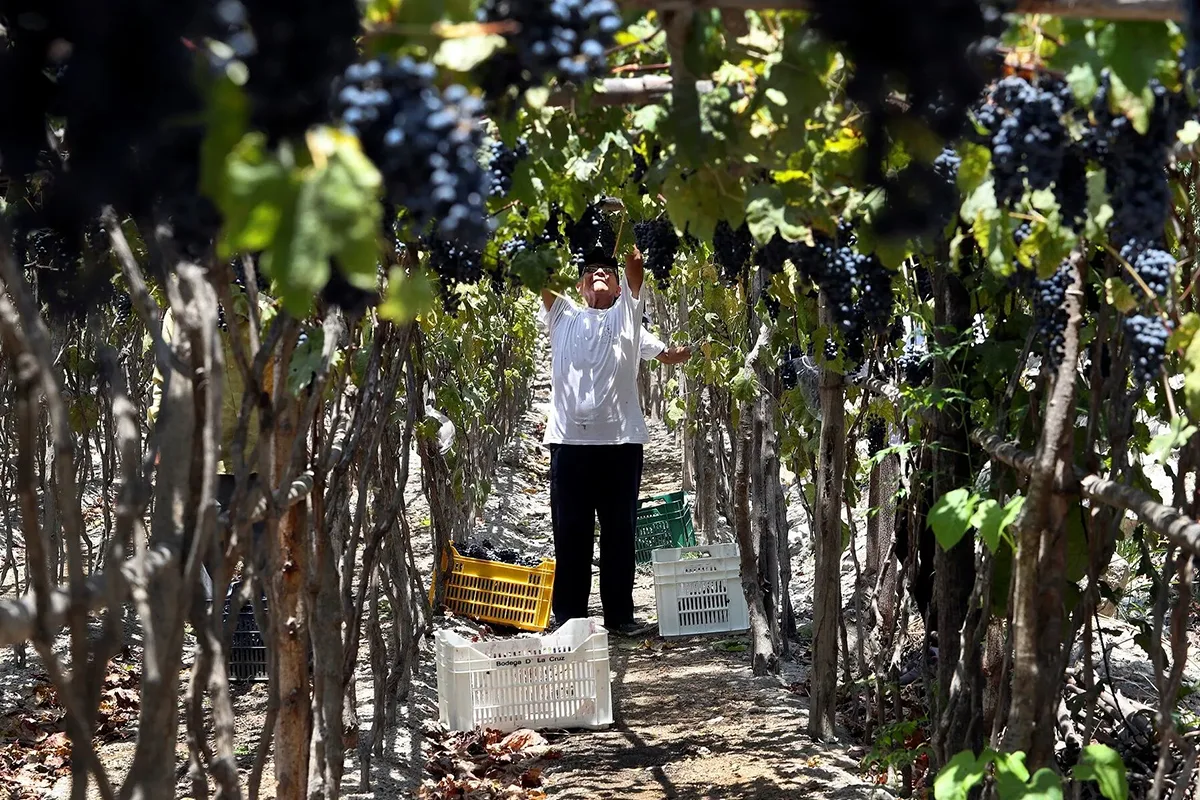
{"x":1139,"y":10}
{"x":1182,"y":530}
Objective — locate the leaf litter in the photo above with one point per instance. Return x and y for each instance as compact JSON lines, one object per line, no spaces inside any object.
{"x":485,"y":765}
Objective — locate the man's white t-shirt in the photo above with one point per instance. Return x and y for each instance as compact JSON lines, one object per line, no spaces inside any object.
{"x":594,"y":365}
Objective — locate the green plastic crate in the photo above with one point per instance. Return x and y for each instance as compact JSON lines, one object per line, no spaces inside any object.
{"x":663,"y":521}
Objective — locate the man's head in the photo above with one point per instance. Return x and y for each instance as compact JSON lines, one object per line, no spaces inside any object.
{"x":599,"y":281}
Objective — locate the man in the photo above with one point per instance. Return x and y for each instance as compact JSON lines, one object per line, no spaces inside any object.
{"x":595,"y":434}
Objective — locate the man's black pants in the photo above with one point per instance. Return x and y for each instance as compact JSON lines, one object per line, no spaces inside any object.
{"x":589,"y":481}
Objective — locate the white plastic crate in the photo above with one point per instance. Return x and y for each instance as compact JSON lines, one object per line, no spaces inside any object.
{"x":555,"y":680}
{"x":699,"y":590}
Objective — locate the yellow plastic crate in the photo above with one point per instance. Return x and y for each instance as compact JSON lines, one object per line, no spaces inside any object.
{"x":502,"y":594}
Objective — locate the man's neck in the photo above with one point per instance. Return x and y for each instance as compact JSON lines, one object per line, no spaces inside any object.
{"x":601,"y":305}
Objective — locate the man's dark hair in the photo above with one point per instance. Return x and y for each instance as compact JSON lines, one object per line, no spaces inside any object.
{"x":596,"y":257}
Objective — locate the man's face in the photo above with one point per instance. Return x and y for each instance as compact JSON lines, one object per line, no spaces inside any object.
{"x":599,"y":286}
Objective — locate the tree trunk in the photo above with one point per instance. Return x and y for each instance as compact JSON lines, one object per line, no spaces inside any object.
{"x":287,"y":609}
{"x":954,"y":569}
{"x":1039,"y":579}
{"x":762,"y":651}
{"x":827,"y":540}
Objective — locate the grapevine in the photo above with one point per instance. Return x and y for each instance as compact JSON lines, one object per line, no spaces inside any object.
{"x":1049,"y":310}
{"x":772,"y":255}
{"x":1028,"y":140}
{"x":424,"y":141}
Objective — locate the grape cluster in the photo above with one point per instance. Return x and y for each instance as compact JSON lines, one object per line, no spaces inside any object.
{"x":1049,"y":310}
{"x":788,"y":372}
{"x":1155,"y":267}
{"x":1028,"y":138}
{"x":938,"y":52}
{"x":592,"y":235}
{"x":424,"y":140}
{"x":453,"y":262}
{"x":924,"y":284}
{"x":564,"y":38}
{"x":1070,"y":188}
{"x":659,"y":243}
{"x":302,"y":46}
{"x":772,"y":304}
{"x":732,"y":250}
{"x":1147,"y":346}
{"x":772,"y":255}
{"x":486,"y":551}
{"x":914,"y":366}
{"x":839,"y":269}
{"x":876,"y":430}
{"x":502,"y":162}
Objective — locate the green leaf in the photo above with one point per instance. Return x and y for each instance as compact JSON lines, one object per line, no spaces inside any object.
{"x":306,"y":360}
{"x":1052,"y":242}
{"x":951,"y":516}
{"x":256,"y":188}
{"x":1118,"y":295}
{"x":534,"y":267}
{"x":226,"y":115}
{"x":731,"y":645}
{"x":705,"y":198}
{"x":1045,"y":785}
{"x":465,"y":53}
{"x":1185,"y":331}
{"x":1163,"y":445}
{"x":986,"y":519}
{"x":973,"y":171}
{"x":768,"y":211}
{"x":1191,"y":377}
{"x":1102,"y":764}
{"x":1132,"y":51}
{"x":408,"y":296}
{"x":961,"y":774}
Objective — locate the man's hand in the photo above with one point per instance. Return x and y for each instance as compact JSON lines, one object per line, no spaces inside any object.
{"x":676,"y":355}
{"x":634,"y":271}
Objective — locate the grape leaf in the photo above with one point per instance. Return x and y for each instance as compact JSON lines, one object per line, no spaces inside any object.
{"x":961,"y":774}
{"x":1045,"y":785}
{"x":951,"y":516}
{"x":306,"y":360}
{"x":702,"y":200}
{"x":1118,"y":295}
{"x":767,"y":211}
{"x":1102,"y":764}
{"x":465,"y":53}
{"x":408,"y":296}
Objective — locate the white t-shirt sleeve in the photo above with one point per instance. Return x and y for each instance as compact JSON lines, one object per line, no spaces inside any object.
{"x":651,"y":346}
{"x":552,"y":317}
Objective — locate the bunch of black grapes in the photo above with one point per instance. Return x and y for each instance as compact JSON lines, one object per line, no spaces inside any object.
{"x":502,"y":162}
{"x":1027,"y":136}
{"x":876,"y":434}
{"x":591,"y":233}
{"x":567,"y":39}
{"x":914,"y":366}
{"x":732,"y":249}
{"x":658,"y":243}
{"x":485,"y":550}
{"x":1049,"y":310}
{"x":772,"y":255}
{"x":940,"y":53}
{"x":424,"y":140}
{"x":1147,"y":347}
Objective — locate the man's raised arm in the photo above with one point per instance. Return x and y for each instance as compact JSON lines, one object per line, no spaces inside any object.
{"x":634,"y":272}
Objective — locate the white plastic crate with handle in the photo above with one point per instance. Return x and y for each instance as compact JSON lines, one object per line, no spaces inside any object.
{"x":554,"y":680}
{"x":699,"y":590}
